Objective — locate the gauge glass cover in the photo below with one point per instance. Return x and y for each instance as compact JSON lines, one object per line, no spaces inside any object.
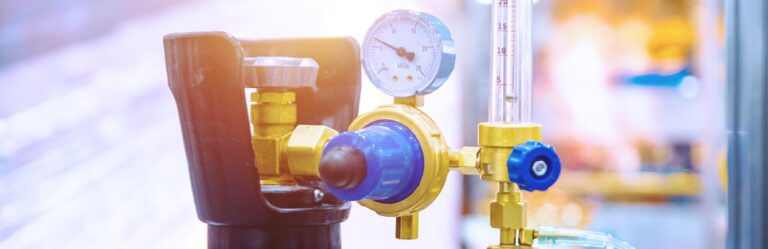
{"x":407,"y":53}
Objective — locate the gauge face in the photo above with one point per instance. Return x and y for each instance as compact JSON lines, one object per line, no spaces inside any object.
{"x":407,"y":53}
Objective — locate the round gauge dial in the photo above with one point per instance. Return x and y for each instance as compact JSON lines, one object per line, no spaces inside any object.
{"x":407,"y":53}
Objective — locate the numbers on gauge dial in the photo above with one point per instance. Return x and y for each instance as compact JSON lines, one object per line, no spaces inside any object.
{"x":403,"y":52}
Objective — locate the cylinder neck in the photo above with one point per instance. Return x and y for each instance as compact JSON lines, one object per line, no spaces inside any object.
{"x":325,"y":237}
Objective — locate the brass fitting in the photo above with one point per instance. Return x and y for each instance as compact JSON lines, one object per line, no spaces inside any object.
{"x":466,"y":160}
{"x":407,"y":226}
{"x":273,"y":114}
{"x":413,"y":101}
{"x":509,"y":214}
{"x":493,"y":164}
{"x":497,"y":142}
{"x":285,"y":150}
{"x":527,"y":236}
{"x":273,"y":117}
{"x":508,"y":210}
{"x":267,"y":153}
{"x":305,"y":148}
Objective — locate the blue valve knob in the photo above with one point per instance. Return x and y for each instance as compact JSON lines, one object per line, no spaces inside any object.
{"x":383,"y":162}
{"x":533,"y":166}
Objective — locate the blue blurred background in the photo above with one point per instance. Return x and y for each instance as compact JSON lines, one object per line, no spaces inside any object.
{"x":631,"y":92}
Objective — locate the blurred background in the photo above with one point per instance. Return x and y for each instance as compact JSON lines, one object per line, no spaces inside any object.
{"x":631,"y":92}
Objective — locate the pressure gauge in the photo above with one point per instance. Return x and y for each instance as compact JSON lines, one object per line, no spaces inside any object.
{"x":407,"y":53}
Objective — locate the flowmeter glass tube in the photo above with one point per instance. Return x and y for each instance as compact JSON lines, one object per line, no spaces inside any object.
{"x":511,"y":61}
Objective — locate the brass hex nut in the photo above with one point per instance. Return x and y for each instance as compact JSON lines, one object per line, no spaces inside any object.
{"x":468,"y":161}
{"x":508,"y":215}
{"x":273,"y":108}
{"x":305,"y":147}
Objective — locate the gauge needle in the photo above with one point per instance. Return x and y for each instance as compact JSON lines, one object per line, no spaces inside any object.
{"x":400,"y":50}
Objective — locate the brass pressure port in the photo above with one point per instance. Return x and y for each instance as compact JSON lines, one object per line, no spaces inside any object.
{"x":407,"y":227}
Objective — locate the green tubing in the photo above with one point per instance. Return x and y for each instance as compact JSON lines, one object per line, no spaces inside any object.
{"x":557,"y":236}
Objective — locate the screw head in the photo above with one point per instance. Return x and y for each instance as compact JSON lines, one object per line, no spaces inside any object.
{"x":319,"y":195}
{"x":540,"y":168}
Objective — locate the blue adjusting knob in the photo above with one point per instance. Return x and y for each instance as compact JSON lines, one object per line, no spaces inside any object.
{"x":533,"y":166}
{"x":383,"y":162}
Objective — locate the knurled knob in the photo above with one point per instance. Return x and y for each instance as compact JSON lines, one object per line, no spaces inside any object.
{"x":533,"y":166}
